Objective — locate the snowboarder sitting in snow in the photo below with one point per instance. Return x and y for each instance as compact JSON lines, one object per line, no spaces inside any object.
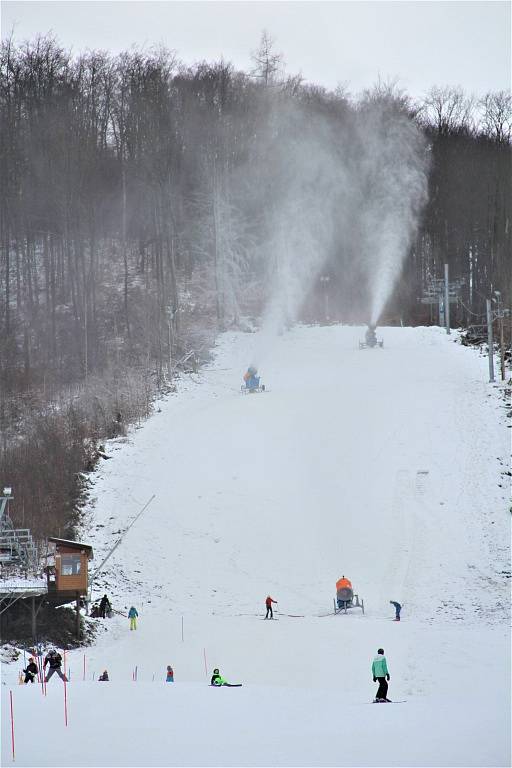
{"x":380,"y":672}
{"x":30,"y":671}
{"x":54,"y":659}
{"x":268,"y":605}
{"x":169,"y":677}
{"x":103,"y":677}
{"x":217,"y":679}
{"x":398,"y":608}
{"x":252,"y":380}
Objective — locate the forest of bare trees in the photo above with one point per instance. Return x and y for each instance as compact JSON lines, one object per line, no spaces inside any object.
{"x":136,"y":213}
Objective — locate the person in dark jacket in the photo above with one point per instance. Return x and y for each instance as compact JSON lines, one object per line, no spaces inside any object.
{"x":103,"y":677}
{"x":380,"y":672}
{"x":30,"y":671}
{"x":104,"y":606}
{"x":54,"y":659}
{"x":398,"y":608}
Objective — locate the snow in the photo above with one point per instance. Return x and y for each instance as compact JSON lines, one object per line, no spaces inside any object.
{"x":384,"y":465}
{"x":21,"y":584}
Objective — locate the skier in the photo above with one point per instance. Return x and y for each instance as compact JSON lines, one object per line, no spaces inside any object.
{"x":380,"y":673}
{"x":132,"y":615}
{"x":217,"y":681}
{"x":54,"y":659}
{"x":268,"y":605}
{"x":398,"y":608}
{"x":30,"y":671}
{"x":104,"y":606}
{"x":169,"y":678}
{"x":103,"y":677}
{"x":251,"y":378}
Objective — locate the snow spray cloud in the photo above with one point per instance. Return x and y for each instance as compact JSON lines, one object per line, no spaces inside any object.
{"x":349,"y":189}
{"x":311,"y":187}
{"x":393,"y":182}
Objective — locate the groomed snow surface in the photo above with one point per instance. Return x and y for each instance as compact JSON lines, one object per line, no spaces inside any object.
{"x":384,"y":465}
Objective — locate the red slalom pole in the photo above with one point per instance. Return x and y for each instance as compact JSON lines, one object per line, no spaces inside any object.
{"x":12,"y":726}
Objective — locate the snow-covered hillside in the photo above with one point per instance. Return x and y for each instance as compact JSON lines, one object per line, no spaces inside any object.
{"x":384,"y":465}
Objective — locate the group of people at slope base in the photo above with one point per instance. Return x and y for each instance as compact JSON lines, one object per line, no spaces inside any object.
{"x":53,"y":660}
{"x":103,"y":610}
{"x":169,"y":675}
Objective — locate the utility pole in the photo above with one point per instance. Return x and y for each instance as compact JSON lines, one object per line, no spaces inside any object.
{"x":490,"y":342}
{"x":446,"y":299}
{"x":500,"y":314}
{"x":324,"y":279}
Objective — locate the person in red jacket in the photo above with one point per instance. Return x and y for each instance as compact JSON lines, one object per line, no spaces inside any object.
{"x":268,"y":604}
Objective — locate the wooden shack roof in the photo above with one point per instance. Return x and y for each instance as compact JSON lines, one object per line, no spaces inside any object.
{"x":72,"y":544}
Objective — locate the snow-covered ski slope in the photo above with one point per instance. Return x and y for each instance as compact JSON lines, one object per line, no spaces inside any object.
{"x":384,"y":465}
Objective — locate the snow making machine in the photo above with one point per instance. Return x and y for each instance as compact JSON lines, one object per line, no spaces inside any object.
{"x":345,"y":597}
{"x":252,"y":382}
{"x":370,"y":339}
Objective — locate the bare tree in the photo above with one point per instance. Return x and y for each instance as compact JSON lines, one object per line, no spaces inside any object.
{"x":268,"y":63}
{"x":497,"y":115}
{"x":448,"y":110}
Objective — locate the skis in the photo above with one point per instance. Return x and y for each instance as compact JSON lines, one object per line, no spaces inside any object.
{"x":398,"y":701}
{"x":227,"y":685}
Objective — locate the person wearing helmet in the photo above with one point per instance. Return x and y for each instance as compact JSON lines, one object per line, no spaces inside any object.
{"x":30,"y":671}
{"x":54,"y":660}
{"x":380,"y":674}
{"x":268,"y":605}
{"x":217,"y":679}
{"x":132,"y":615}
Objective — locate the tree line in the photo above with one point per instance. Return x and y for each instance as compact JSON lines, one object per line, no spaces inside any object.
{"x":138,"y":208}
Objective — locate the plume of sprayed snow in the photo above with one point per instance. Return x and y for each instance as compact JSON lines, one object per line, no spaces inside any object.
{"x":394,"y":180}
{"x":359,"y":191}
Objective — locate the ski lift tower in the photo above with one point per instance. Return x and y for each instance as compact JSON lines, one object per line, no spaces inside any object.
{"x":442,"y":292}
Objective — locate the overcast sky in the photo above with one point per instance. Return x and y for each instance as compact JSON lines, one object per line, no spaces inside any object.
{"x":420,"y":43}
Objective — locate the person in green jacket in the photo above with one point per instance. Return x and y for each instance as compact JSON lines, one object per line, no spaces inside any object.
{"x":380,"y":672}
{"x":217,"y":679}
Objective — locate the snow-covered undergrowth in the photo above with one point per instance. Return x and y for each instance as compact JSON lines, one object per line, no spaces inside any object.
{"x":383,"y":465}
